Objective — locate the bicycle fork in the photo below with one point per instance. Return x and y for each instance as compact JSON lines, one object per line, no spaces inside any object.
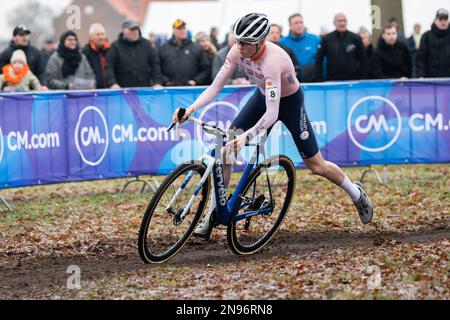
{"x":211,"y":162}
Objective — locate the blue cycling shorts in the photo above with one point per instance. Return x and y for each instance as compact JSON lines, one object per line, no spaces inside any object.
{"x":292,"y":114}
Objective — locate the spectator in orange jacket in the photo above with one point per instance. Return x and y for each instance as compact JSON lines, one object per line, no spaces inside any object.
{"x":96,"y":51}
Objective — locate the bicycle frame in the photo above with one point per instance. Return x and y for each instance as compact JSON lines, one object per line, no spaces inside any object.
{"x":225,"y":207}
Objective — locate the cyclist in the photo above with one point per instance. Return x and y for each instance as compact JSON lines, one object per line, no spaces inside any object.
{"x":279,"y":97}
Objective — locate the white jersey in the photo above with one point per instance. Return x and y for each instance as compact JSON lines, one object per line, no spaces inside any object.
{"x":271,"y":70}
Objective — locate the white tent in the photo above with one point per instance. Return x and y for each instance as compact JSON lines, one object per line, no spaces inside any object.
{"x":318,"y":14}
{"x":201,"y":15}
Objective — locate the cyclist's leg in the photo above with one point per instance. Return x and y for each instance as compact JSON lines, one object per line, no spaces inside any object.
{"x":291,"y":110}
{"x":295,"y":118}
{"x":335,"y":174}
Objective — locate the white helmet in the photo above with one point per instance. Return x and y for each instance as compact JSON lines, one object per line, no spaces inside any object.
{"x":251,"y":28}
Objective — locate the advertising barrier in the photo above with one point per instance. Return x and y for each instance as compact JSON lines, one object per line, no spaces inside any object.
{"x":60,"y":137}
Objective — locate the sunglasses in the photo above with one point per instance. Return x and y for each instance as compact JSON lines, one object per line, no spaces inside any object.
{"x":443,"y":18}
{"x":245,"y":44}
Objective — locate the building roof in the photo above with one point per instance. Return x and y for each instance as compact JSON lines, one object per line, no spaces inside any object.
{"x":132,"y":9}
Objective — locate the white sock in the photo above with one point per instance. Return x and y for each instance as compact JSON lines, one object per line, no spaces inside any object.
{"x":351,"y":189}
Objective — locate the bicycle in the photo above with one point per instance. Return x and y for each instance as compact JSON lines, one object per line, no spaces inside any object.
{"x":179,"y":203}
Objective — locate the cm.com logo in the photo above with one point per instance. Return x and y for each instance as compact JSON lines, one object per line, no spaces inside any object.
{"x":228,"y":112}
{"x":385,"y":127}
{"x":91,"y":136}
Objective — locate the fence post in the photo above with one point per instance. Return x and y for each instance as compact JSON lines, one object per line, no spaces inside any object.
{"x":145,"y":184}
{"x":375,"y":172}
{"x":6,"y":204}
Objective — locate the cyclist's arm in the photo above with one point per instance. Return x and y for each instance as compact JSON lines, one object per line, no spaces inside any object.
{"x":225,"y":74}
{"x":273,"y":97}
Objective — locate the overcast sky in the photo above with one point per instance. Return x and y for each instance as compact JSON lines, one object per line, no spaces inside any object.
{"x":319,"y":13}
{"x":7,"y":6}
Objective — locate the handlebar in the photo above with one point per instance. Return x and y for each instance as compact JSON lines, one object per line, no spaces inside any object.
{"x":207,"y":127}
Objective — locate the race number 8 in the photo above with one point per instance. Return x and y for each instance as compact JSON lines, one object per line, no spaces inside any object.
{"x":272,"y":93}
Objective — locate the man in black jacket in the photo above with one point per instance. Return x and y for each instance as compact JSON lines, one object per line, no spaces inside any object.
{"x":182,"y":62}
{"x":391,"y":59}
{"x":47,"y":50}
{"x":96,"y":51}
{"x":433,"y":58}
{"x":345,"y":53}
{"x":21,"y":40}
{"x":132,"y":61}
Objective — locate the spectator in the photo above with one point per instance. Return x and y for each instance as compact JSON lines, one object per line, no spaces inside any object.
{"x":153,"y":40}
{"x":391,"y":59}
{"x":132,"y":61}
{"x":433,"y":57}
{"x":305,"y":46}
{"x":366,"y":38}
{"x":345,"y":54}
{"x":17,"y":75}
{"x":414,"y":44}
{"x":400,"y":35}
{"x":182,"y":62}
{"x":96,"y":51}
{"x":225,"y":42}
{"x":214,"y":34}
{"x":21,"y":40}
{"x":48,"y":49}
{"x":239,"y":77}
{"x":274,"y":36}
{"x":67,"y":68}
{"x":323,"y":31}
{"x":414,"y":40}
{"x":202,"y":39}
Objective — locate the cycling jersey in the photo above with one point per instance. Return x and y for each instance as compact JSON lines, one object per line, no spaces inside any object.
{"x":272,"y":71}
{"x":274,"y":74}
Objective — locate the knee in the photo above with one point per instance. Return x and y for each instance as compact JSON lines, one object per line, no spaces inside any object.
{"x":318,"y":170}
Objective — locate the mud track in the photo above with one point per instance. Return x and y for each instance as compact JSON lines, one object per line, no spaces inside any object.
{"x":21,"y":278}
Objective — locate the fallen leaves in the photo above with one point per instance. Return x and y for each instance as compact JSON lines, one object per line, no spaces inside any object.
{"x":321,"y":252}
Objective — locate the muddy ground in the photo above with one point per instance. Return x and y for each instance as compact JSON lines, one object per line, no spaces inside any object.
{"x":321,"y":252}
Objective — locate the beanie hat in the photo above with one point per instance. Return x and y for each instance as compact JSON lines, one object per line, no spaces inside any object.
{"x":19,"y":55}
{"x":201,"y":35}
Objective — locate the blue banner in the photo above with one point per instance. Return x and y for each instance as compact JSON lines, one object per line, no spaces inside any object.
{"x":77,"y":136}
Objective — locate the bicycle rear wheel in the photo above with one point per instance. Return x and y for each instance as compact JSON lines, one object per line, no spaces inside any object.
{"x":164,"y":231}
{"x":271,"y":185}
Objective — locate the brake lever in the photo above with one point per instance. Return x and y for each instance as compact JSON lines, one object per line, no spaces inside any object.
{"x":171,"y":126}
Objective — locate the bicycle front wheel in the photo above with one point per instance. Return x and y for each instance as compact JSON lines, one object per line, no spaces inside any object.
{"x":269,"y":190}
{"x":165,"y":229}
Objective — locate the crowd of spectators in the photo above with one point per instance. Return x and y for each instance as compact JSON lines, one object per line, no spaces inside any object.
{"x":186,"y":60}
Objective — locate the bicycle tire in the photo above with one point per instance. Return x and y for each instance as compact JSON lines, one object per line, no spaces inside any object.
{"x":232,"y":237}
{"x":146,"y":255}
